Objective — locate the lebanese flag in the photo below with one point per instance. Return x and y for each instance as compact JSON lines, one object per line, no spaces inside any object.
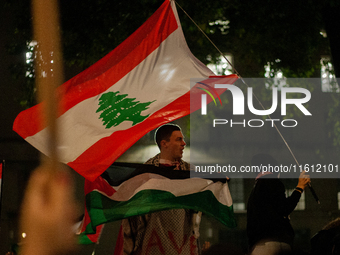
{"x":150,"y":189}
{"x":140,"y":85}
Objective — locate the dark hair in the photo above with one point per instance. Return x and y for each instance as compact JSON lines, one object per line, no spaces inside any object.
{"x":263,"y":159}
{"x":327,"y":240}
{"x":164,"y":132}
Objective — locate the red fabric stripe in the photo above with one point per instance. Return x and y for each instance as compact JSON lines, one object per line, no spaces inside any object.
{"x":119,"y":249}
{"x":29,"y":122}
{"x":95,"y":237}
{"x":92,"y":237}
{"x":96,"y":159}
{"x":107,"y":71}
{"x":86,"y":220}
{"x":99,"y":184}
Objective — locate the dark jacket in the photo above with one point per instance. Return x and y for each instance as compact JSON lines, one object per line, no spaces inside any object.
{"x":268,"y":209}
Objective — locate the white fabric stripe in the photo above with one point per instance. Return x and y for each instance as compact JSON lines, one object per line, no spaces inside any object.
{"x":146,"y":181}
{"x":163,"y":76}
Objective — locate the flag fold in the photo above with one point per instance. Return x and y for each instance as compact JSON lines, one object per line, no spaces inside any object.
{"x":146,"y":191}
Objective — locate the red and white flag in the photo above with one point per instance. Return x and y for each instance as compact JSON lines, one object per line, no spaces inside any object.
{"x":140,"y":85}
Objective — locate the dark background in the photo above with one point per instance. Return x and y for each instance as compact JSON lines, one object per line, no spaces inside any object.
{"x":258,"y":33}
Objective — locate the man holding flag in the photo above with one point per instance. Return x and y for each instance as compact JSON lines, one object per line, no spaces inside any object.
{"x":140,"y":85}
{"x":166,"y":232}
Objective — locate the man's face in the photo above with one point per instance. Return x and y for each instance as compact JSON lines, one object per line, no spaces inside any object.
{"x":175,"y":145}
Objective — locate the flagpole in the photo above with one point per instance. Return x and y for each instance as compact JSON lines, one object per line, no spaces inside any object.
{"x":257,"y":99}
{"x":48,"y":70}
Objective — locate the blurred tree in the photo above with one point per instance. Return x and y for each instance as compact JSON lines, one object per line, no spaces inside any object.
{"x":286,"y":35}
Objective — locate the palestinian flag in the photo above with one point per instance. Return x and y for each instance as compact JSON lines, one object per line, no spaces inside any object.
{"x":140,"y":85}
{"x":150,"y":189}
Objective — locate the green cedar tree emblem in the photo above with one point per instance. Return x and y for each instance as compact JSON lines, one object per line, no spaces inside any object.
{"x":117,"y":108}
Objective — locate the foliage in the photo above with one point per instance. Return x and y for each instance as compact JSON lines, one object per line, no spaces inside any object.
{"x":256,"y":33}
{"x":263,"y":32}
{"x":284,"y":35}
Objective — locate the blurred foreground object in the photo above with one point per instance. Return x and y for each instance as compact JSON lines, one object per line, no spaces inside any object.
{"x":48,"y":214}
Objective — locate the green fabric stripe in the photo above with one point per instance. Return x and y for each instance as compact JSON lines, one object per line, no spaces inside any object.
{"x":83,"y":239}
{"x":102,"y":209}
